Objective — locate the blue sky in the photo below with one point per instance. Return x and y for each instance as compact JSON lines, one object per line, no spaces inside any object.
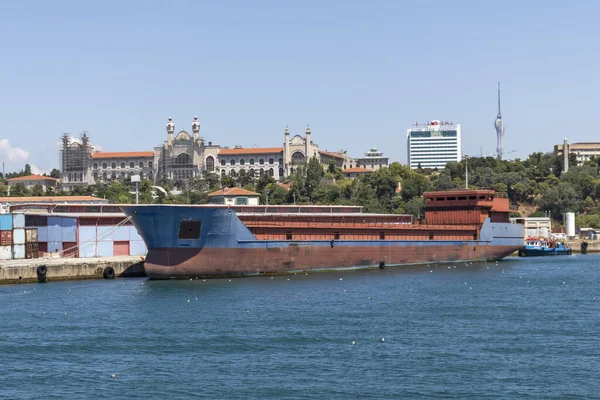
{"x":359,"y":72}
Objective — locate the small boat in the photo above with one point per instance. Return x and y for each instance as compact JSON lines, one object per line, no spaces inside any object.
{"x":544,"y":247}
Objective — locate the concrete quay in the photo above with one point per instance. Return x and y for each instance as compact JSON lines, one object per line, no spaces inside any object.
{"x":63,"y":269}
{"x":593,"y":245}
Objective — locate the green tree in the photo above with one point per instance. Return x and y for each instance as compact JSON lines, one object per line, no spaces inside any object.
{"x":27,"y":169}
{"x":314,"y":173}
{"x":19,"y":190}
{"x":263,"y":182}
{"x":414,"y":186}
{"x":37,"y":190}
{"x":228,"y":181}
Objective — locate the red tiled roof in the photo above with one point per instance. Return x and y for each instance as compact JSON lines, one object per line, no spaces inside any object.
{"x":254,"y":150}
{"x":331,"y":154}
{"x":48,"y":199}
{"x":358,"y":170}
{"x":31,"y":178}
{"x":236,"y":191}
{"x":284,"y":185}
{"x":122,"y":154}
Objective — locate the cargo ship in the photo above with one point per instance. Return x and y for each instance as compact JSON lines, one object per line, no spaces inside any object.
{"x":199,"y":241}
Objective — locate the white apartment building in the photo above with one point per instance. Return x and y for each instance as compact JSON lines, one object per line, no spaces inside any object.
{"x":433,"y":144}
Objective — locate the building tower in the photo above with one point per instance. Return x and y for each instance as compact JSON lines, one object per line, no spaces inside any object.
{"x":308,"y":142}
{"x":499,"y":125}
{"x":170,"y":130}
{"x":286,"y":151}
{"x":196,"y":128}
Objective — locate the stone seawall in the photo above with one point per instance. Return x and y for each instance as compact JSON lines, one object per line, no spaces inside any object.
{"x":62,"y":269}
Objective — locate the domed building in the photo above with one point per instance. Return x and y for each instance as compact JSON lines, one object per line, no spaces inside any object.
{"x":181,"y":156}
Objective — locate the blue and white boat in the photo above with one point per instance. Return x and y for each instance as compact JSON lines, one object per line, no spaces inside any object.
{"x":544,"y":247}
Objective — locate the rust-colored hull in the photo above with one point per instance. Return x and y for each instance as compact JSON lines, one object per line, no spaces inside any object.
{"x":214,"y":262}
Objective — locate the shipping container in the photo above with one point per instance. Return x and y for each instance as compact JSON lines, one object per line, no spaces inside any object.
{"x":6,"y":222}
{"x":137,"y":248}
{"x":31,"y":235}
{"x":32,"y":250}
{"x":68,"y":229}
{"x":19,"y":221}
{"x":18,"y":236}
{"x":6,"y":238}
{"x":18,"y":251}
{"x":5,"y":252}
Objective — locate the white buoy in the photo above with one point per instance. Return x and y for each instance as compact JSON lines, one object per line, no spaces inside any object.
{"x":188,"y":300}
{"x":382,"y":339}
{"x":340,"y":279}
{"x":230,"y":280}
{"x":271,"y":277}
{"x":353,"y":342}
{"x":190,"y":279}
{"x":113,"y":376}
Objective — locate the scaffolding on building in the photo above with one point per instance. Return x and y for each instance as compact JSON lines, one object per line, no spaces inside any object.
{"x":74,"y":159}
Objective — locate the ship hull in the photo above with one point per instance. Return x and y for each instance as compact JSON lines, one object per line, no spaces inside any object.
{"x":214,"y":262}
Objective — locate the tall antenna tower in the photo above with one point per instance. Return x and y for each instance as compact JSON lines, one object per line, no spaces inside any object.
{"x":499,"y":125}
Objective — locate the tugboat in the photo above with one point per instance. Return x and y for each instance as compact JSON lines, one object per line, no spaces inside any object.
{"x":544,"y":247}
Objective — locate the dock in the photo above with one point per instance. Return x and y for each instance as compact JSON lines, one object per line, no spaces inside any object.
{"x":63,"y":269}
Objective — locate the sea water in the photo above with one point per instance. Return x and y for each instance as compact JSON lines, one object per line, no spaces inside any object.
{"x":519,"y":328}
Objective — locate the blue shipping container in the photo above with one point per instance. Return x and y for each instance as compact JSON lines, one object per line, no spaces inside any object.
{"x":18,"y":220}
{"x":6,"y":222}
{"x":18,"y":251}
{"x":19,"y":236}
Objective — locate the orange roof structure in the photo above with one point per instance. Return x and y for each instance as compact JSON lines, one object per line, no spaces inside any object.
{"x":122,"y":154}
{"x":336,"y":155}
{"x":235,"y":191}
{"x":31,"y":178}
{"x":285,"y":185}
{"x":254,"y":150}
{"x":358,"y":170}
